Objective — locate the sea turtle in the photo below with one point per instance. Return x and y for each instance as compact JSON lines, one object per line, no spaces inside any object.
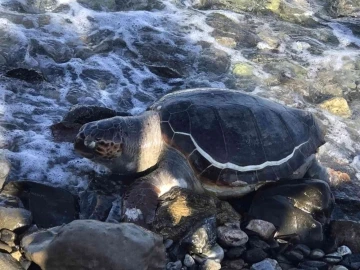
{"x":224,"y":141}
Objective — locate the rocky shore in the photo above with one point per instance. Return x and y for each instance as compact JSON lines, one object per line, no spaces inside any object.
{"x":58,"y":211}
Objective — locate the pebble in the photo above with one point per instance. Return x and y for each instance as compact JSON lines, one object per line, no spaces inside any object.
{"x":255,"y":255}
{"x":231,"y":237}
{"x":343,"y":250}
{"x":317,"y":254}
{"x":235,"y":252}
{"x":314,"y":264}
{"x":267,"y":264}
{"x":294,"y":255}
{"x":189,"y":261}
{"x":174,"y":265}
{"x":305,"y":250}
{"x":216,"y":253}
{"x":333,"y":258}
{"x":339,"y":267}
{"x":258,"y":243}
{"x":211,"y":265}
{"x":5,"y":247}
{"x":8,"y":237}
{"x":168,"y":243}
{"x":261,"y":227}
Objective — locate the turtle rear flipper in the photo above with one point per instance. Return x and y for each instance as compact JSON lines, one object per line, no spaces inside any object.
{"x":140,"y":203}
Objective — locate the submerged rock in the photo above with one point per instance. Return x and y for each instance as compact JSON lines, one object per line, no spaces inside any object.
{"x":7,"y":262}
{"x":108,"y":246}
{"x":261,"y":227}
{"x":348,"y":8}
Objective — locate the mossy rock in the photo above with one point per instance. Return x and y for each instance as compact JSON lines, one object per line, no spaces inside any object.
{"x":243,"y":69}
{"x":337,"y":106}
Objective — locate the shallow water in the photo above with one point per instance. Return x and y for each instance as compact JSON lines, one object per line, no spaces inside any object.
{"x":126,"y":60}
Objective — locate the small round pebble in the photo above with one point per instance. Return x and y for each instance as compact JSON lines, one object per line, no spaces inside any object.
{"x":255,"y":255}
{"x":174,"y":265}
{"x":305,"y":250}
{"x":317,"y":254}
{"x":188,"y":260}
{"x":343,"y":250}
{"x":211,"y":265}
{"x":332,"y":258}
{"x":294,"y":256}
{"x":315,"y":264}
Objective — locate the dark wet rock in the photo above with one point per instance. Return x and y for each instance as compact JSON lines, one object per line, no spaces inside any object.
{"x":233,"y":264}
{"x":63,"y":247}
{"x":174,"y":265}
{"x":315,"y":264}
{"x":305,"y":250}
{"x":242,"y":34}
{"x":255,"y":255}
{"x":225,"y":214}
{"x":351,"y":261}
{"x":214,"y":60}
{"x":348,"y":8}
{"x":294,"y":256}
{"x":38,"y":6}
{"x":28,"y":75}
{"x":50,"y":206}
{"x":8,"y":237}
{"x":189,"y":261}
{"x":9,"y":263}
{"x":58,"y":51}
{"x":231,"y":237}
{"x":255,"y":242}
{"x":332,"y":258}
{"x":305,"y":205}
{"x":164,"y":72}
{"x":317,"y":254}
{"x":210,"y":265}
{"x":261,"y":227}
{"x":267,"y":264}
{"x":119,"y":5}
{"x":345,"y":232}
{"x":235,"y":252}
{"x":98,"y":78}
{"x":14,"y":218}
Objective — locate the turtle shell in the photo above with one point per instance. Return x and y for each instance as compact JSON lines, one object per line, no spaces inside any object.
{"x":234,"y":139}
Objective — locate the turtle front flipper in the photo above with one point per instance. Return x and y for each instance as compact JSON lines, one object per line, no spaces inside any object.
{"x":141,"y":199}
{"x":140,"y":202}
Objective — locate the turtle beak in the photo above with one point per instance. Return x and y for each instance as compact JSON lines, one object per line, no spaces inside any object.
{"x":85,"y":146}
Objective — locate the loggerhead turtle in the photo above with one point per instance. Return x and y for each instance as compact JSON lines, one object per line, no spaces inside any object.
{"x":220,"y":140}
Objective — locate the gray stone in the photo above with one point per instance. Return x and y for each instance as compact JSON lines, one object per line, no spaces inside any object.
{"x":230,"y":237}
{"x":14,"y":218}
{"x":107,"y":245}
{"x":317,"y":254}
{"x":233,"y":264}
{"x":7,"y":262}
{"x":343,"y":250}
{"x":338,"y":267}
{"x":348,"y":8}
{"x":332,"y":258}
{"x":216,"y":253}
{"x":315,"y":264}
{"x":211,"y":265}
{"x":8,"y":237}
{"x":261,"y":227}
{"x":267,"y":264}
{"x":305,"y":250}
{"x":174,"y":265}
{"x":189,"y":261}
{"x":294,"y":255}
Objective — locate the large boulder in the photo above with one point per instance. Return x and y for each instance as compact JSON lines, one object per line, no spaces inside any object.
{"x":90,"y":244}
{"x":298,"y":207}
{"x":49,"y":206}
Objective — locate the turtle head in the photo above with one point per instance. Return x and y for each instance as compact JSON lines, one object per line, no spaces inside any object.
{"x":117,"y":142}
